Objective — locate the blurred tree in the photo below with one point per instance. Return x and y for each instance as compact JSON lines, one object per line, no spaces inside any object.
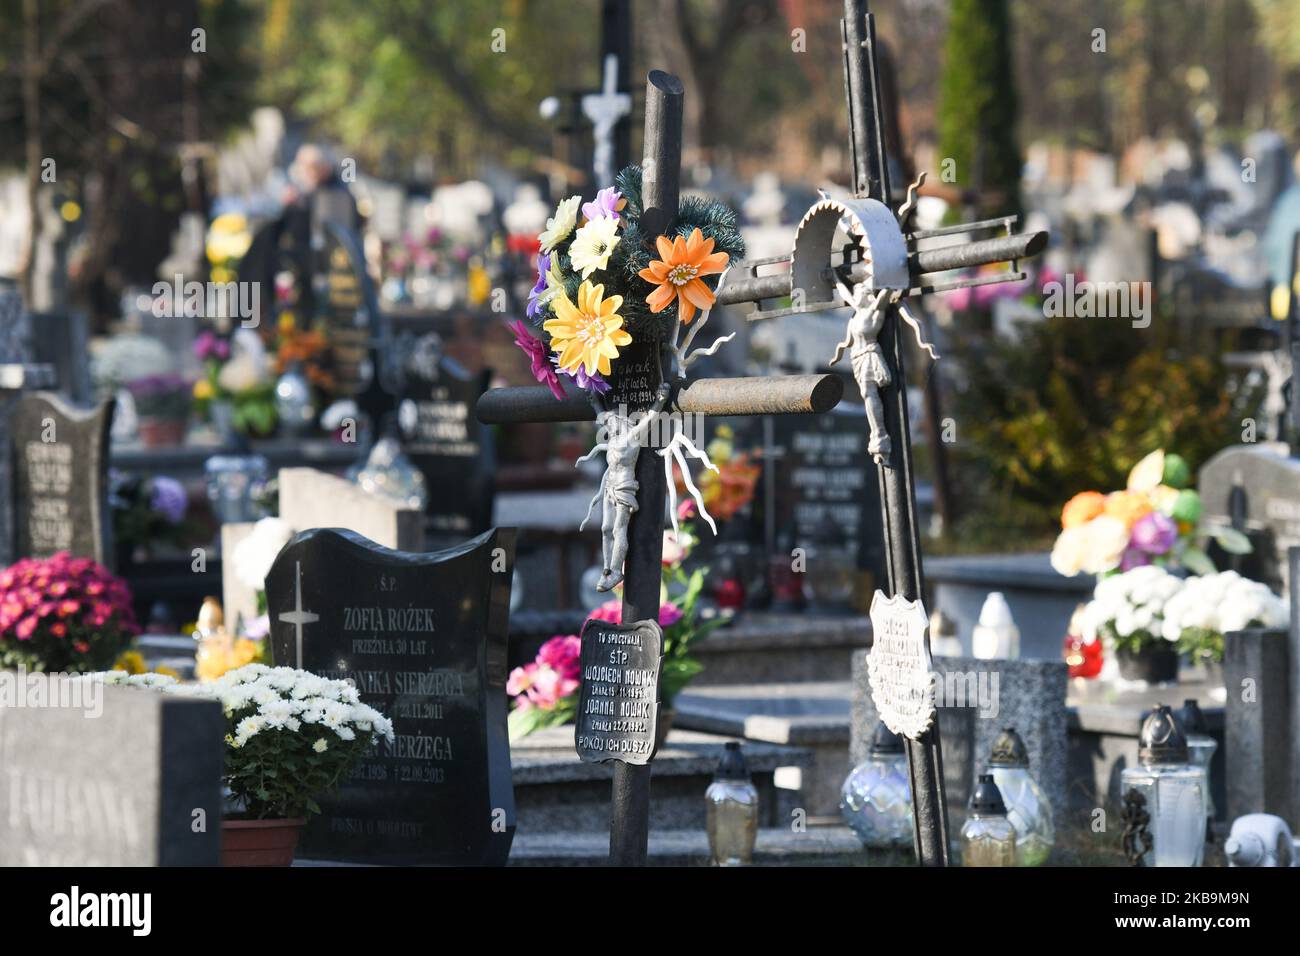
{"x":978,"y":106}
{"x":105,"y":102}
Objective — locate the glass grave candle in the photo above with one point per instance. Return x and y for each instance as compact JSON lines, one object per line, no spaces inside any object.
{"x":1027,"y":806}
{"x":1200,"y":746}
{"x":732,"y":803}
{"x":876,"y":799}
{"x":987,"y":837}
{"x":1164,"y":797}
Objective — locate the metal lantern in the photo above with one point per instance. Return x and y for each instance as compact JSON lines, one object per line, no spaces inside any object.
{"x":1164,"y":797}
{"x":1200,"y":746}
{"x":876,"y":799}
{"x":1027,"y":806}
{"x":987,"y":837}
{"x":732,"y":803}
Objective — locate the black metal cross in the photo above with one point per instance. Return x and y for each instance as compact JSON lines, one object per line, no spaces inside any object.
{"x":853,"y":266}
{"x":796,"y":394}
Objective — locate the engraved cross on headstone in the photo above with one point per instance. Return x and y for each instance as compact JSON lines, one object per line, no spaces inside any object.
{"x":298,"y":617}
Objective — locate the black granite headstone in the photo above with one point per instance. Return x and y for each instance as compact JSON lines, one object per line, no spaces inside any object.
{"x":444,"y":438}
{"x":423,"y":637}
{"x":826,"y":492}
{"x":345,"y":298}
{"x":60,"y":457}
{"x":618,"y":699}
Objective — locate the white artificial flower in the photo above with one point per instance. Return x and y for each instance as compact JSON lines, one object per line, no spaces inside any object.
{"x":1106,"y":538}
{"x":254,"y":556}
{"x":593,"y":244}
{"x":561,"y":224}
{"x":1069,"y":550}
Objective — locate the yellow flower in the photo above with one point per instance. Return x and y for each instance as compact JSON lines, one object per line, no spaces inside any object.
{"x":589,"y":334}
{"x":203,"y":389}
{"x":1147,"y":473}
{"x":593,"y":244}
{"x":561,"y":224}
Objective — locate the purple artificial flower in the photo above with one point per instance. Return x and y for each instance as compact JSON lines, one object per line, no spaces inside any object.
{"x":604,"y":206}
{"x":169,"y":499}
{"x":1133,"y":558}
{"x":594,"y":382}
{"x":1154,"y":533}
{"x":543,"y":267}
{"x":535,"y":349}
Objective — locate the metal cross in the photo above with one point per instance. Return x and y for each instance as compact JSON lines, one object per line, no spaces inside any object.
{"x":882,"y":259}
{"x":795,"y":394}
{"x":298,"y":617}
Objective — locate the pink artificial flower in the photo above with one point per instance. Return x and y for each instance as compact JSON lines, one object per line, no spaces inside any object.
{"x":611,"y":612}
{"x":562,"y":654}
{"x":604,"y":206}
{"x":535,"y":349}
{"x":521,"y":679}
{"x":686,"y":509}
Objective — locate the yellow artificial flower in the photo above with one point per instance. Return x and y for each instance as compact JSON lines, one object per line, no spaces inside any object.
{"x":1127,"y":506}
{"x":589,"y":334}
{"x":592,"y":245}
{"x":203,"y":390}
{"x":1148,"y":473}
{"x":561,"y":224}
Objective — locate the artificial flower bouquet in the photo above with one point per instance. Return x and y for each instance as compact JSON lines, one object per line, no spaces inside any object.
{"x":238,"y":374}
{"x":1127,"y":610}
{"x":63,"y":614}
{"x":148,"y":510}
{"x":1207,"y":607}
{"x":292,"y":736}
{"x":1155,"y":520}
{"x":603,"y":284}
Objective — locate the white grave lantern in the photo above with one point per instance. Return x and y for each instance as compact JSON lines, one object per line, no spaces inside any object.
{"x":1164,"y":797}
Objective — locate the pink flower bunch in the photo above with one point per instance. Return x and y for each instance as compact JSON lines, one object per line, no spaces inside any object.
{"x":57,"y":612}
{"x":550,"y":678}
{"x":611,"y":612}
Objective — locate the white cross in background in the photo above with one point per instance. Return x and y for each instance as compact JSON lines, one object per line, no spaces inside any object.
{"x":605,"y":109}
{"x":298,"y":617}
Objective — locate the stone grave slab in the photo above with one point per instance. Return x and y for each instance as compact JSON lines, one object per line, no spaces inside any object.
{"x":60,"y":456}
{"x":113,"y":777}
{"x":423,"y":637}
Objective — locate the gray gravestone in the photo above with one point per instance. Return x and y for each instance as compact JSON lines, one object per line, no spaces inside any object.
{"x":16,"y":373}
{"x":979,"y":698}
{"x":1260,"y":715}
{"x":423,"y":637}
{"x":315,"y":499}
{"x":1256,"y":490}
{"x":117,"y":776}
{"x":60,"y":461}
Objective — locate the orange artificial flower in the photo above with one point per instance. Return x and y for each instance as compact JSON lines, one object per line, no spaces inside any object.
{"x":678,"y":273}
{"x":1127,"y":506}
{"x":1082,"y":508}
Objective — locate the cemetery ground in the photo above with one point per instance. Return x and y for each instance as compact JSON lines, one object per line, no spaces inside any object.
{"x":498,"y":490}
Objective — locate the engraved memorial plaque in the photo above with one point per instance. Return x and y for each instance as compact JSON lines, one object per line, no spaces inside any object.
{"x":618,"y":701}
{"x":899,"y":668}
{"x":423,"y":637}
{"x":60,"y":457}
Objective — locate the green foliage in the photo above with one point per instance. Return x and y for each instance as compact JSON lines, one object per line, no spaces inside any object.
{"x":1071,"y":405}
{"x":978,"y":106}
{"x":277,"y":774}
{"x":679,"y":668}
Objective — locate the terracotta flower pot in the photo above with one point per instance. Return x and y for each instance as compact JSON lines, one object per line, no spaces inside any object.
{"x":1153,"y":664}
{"x":162,"y":432}
{"x":259,"y":842}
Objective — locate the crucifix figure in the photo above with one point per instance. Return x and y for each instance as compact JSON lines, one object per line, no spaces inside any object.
{"x":637,"y":485}
{"x":605,"y":109}
{"x":298,"y":617}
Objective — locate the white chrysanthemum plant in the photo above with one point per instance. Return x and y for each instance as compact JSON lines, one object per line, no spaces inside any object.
{"x":1209,"y":606}
{"x":1128,"y":610}
{"x":292,"y":736}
